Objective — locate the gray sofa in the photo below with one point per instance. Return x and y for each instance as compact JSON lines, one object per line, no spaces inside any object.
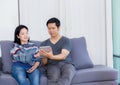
{"x":86,"y":72}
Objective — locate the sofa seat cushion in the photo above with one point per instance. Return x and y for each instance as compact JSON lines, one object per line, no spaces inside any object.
{"x":99,"y":83}
{"x":95,"y":74}
{"x":11,"y":81}
{"x":6,"y":79}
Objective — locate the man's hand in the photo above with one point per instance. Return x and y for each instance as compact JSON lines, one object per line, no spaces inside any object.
{"x":47,"y":54}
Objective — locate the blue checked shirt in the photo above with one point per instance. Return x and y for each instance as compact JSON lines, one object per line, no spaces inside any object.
{"x":24,"y":53}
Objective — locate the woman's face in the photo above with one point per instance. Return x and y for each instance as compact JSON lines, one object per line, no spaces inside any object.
{"x":23,"y":36}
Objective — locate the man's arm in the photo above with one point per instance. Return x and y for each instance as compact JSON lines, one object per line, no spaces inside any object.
{"x":62,"y":56}
{"x":44,"y":61}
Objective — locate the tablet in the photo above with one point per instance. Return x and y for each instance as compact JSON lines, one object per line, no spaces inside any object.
{"x":45,"y":48}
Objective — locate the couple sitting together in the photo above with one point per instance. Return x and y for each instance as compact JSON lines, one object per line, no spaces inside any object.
{"x":27,"y":58}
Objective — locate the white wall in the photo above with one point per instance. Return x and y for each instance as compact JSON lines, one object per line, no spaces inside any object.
{"x":78,"y":17}
{"x":87,"y":18}
{"x":35,"y":13}
{"x":8,"y":18}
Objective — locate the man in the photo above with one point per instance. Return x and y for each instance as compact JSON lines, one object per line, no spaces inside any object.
{"x":60,"y":69}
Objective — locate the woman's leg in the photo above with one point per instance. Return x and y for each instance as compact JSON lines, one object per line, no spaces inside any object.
{"x":19,"y":73}
{"x":34,"y":77}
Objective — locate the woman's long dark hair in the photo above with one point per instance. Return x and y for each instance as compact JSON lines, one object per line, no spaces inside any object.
{"x":17,"y":32}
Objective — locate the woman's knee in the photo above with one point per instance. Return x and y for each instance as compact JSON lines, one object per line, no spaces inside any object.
{"x":17,"y":66}
{"x":18,"y":71}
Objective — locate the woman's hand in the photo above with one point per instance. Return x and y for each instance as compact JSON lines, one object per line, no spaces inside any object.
{"x":33,"y":67}
{"x":37,"y":55}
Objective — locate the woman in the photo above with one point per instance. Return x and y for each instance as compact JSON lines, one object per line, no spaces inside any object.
{"x":24,"y":55}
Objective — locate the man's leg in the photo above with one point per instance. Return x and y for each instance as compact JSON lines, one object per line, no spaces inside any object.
{"x":53,"y":74}
{"x":67,"y":73}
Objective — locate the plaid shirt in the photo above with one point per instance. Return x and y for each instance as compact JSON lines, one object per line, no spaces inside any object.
{"x":24,"y":53}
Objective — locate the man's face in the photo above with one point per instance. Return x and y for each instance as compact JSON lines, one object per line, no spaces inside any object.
{"x":53,"y":29}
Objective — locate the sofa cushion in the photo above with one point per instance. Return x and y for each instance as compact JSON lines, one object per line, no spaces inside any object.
{"x":0,"y":64}
{"x":80,"y":54}
{"x":11,"y":81}
{"x":96,"y":74}
{"x":99,"y":83}
{"x":6,"y":58}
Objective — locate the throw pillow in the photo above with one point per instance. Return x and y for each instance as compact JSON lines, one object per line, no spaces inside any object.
{"x":79,"y":53}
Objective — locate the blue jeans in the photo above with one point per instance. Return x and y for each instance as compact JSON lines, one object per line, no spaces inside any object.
{"x":19,"y":72}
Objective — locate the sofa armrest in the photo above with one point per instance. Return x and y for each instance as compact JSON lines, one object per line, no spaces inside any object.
{"x":98,"y":73}
{"x":0,"y":64}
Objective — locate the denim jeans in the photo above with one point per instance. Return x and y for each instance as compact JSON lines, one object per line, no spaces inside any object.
{"x":19,"y":72}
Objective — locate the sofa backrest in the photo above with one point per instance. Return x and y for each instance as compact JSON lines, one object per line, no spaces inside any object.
{"x":79,"y":54}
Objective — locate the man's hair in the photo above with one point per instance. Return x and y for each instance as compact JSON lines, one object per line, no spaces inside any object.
{"x":54,"y":20}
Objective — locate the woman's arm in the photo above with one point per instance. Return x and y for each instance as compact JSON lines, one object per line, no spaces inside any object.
{"x":33,"y":67}
{"x":14,"y":52}
{"x":44,"y":60}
